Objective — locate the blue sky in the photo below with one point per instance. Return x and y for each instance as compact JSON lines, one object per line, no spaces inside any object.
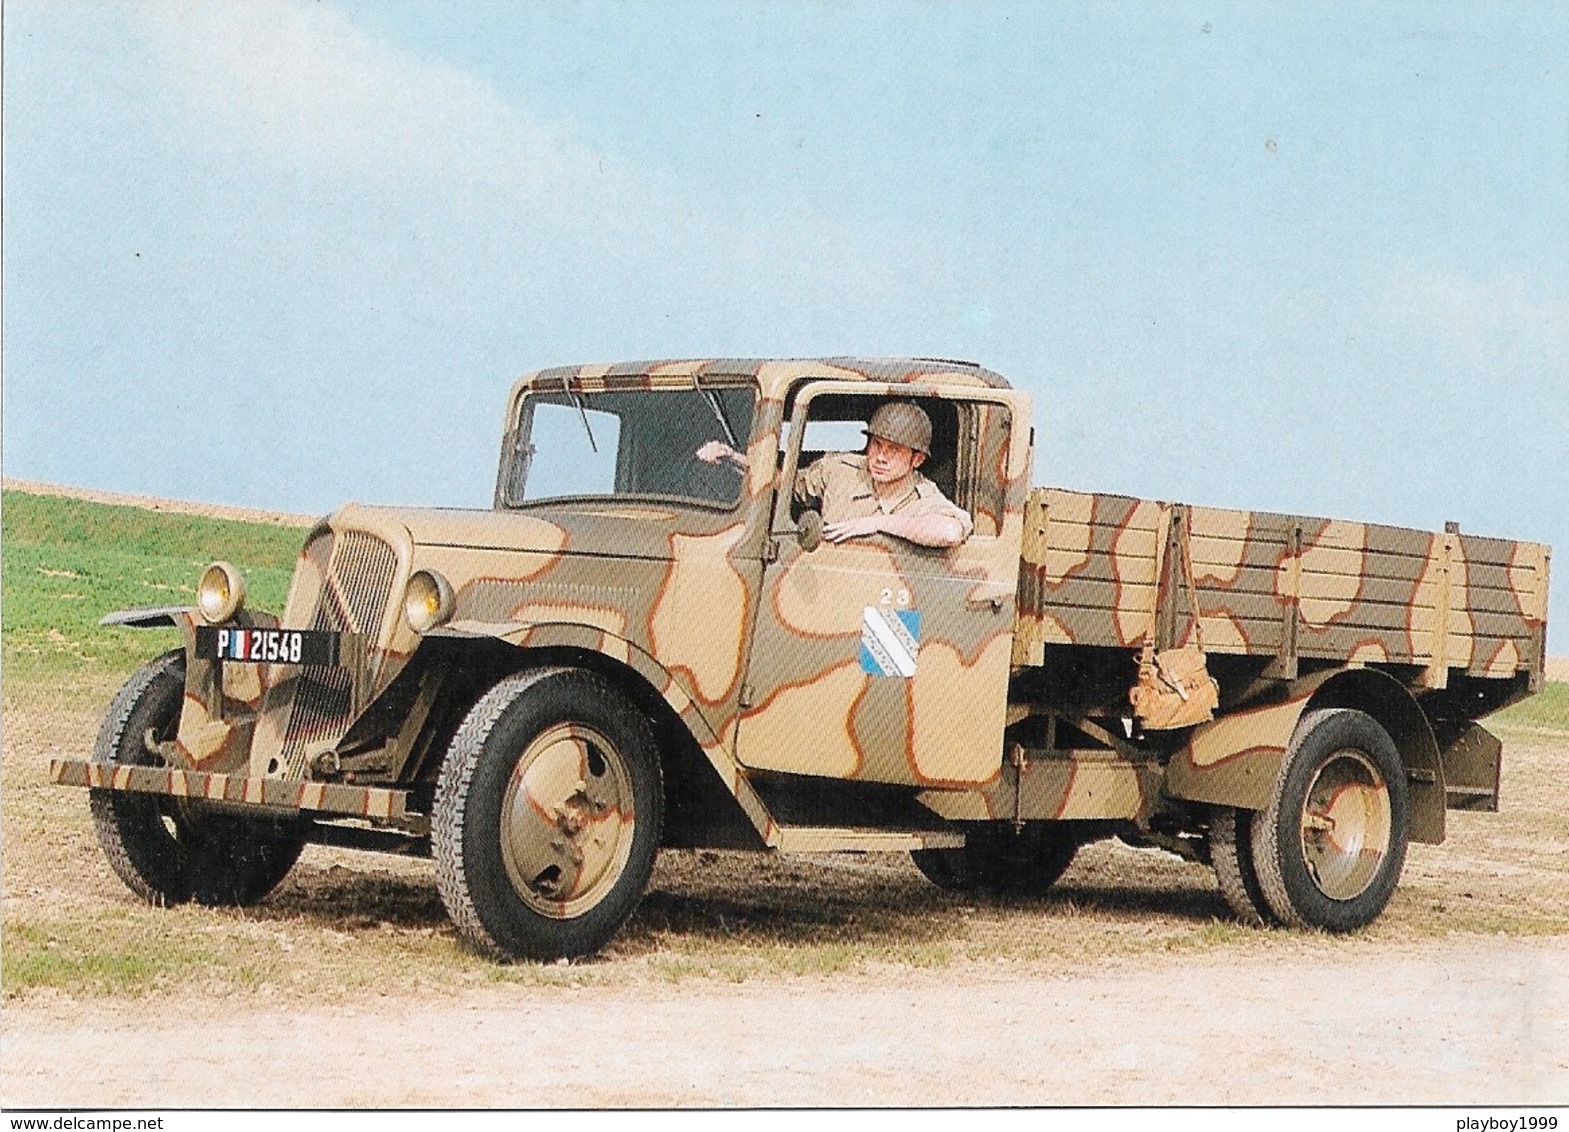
{"x":1312,"y":258}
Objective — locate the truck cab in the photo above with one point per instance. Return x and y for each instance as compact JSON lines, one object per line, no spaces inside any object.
{"x":732,"y":655}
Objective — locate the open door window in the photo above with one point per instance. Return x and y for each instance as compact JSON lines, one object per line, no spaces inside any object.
{"x":969,"y":451}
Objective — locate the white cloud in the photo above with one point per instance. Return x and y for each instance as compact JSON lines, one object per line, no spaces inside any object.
{"x":302,"y":88}
{"x":1481,"y":321}
{"x":303,"y":81}
{"x":303,"y":94}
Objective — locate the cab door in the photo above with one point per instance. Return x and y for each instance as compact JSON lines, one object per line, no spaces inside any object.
{"x":877,"y":659}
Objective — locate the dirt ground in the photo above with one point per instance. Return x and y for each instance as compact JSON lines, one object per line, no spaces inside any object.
{"x":1451,"y":1022}
{"x":1140,"y":993}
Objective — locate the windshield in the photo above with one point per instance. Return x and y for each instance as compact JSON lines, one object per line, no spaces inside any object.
{"x":631,"y":444}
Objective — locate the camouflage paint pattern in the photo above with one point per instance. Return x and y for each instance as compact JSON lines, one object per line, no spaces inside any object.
{"x":1233,"y":760}
{"x":814,"y":706}
{"x":337,"y":799}
{"x":1353,"y":593}
{"x":1059,"y":785}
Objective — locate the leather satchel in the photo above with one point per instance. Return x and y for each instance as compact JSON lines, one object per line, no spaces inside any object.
{"x":1175,"y":688}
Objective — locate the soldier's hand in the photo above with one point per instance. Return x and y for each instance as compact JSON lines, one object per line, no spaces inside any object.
{"x":715,"y":451}
{"x":853,"y":528}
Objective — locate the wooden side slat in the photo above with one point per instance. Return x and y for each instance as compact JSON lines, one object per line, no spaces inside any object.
{"x":1493,"y":601}
{"x":1498,"y":627}
{"x":1371,"y":563}
{"x":1480,"y":550}
{"x":1358,"y":583}
{"x":1095,"y":567}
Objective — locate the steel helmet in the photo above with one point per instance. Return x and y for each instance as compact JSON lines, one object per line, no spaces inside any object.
{"x":902,"y":422}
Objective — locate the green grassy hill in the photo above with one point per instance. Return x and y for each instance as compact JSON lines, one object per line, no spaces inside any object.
{"x":67,"y":562}
{"x":1547,"y":711}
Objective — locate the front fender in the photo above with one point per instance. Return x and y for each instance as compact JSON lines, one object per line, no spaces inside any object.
{"x":152,"y":617}
{"x":594,"y":638}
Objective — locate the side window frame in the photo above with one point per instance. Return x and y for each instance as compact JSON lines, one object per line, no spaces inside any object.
{"x":981,"y":487}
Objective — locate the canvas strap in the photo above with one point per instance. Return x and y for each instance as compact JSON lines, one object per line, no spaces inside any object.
{"x":1189,"y":580}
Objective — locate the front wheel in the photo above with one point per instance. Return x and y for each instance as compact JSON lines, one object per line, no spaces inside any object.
{"x":171,"y":850}
{"x":1329,"y":849}
{"x":548,"y":814}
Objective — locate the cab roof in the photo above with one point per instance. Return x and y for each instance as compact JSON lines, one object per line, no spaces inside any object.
{"x":775,"y":376}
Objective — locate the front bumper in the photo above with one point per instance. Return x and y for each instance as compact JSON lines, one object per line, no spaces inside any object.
{"x":370,"y":802}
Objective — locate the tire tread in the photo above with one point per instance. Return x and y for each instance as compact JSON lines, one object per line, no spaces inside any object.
{"x":219,"y":859}
{"x":1231,"y":855}
{"x":455,"y":791}
{"x":1268,"y":850}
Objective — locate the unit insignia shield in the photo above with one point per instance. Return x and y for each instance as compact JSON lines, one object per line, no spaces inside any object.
{"x":890,"y":641}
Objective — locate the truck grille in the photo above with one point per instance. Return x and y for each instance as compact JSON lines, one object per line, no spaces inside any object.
{"x":323,"y":703}
{"x":359,"y":582}
{"x":361,"y":571}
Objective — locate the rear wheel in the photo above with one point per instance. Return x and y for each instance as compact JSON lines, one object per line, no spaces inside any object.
{"x":1329,"y":849}
{"x":171,"y":850}
{"x":1231,"y":854}
{"x":997,"y":861}
{"x":548,"y":815}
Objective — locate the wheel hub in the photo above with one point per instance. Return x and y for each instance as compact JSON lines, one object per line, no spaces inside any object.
{"x":566,"y":820}
{"x":1345,"y":825}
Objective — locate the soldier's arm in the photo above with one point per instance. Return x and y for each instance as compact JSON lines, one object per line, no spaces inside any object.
{"x":810,"y":482}
{"x":926,"y":530}
{"x":935,"y":529}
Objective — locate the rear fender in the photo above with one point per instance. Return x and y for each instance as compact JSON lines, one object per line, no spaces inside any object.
{"x":1397,"y":712}
{"x":1234,"y":760}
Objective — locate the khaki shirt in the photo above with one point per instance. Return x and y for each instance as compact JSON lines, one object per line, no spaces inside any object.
{"x":840,"y":480}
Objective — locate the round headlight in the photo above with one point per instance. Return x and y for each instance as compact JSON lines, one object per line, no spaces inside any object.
{"x":220,"y":593}
{"x":428,"y":602}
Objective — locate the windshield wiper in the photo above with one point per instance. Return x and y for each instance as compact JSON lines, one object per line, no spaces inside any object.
{"x":522,"y":459}
{"x":718,"y":411}
{"x":582,"y":411}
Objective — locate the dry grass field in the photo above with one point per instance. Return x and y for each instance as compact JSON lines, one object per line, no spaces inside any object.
{"x":357,"y":947}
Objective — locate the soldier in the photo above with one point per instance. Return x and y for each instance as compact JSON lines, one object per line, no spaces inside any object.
{"x":880,"y":490}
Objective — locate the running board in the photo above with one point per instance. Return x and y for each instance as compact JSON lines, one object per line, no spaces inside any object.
{"x":825,"y":839}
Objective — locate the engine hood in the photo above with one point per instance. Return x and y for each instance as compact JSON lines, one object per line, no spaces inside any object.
{"x":608,"y":531}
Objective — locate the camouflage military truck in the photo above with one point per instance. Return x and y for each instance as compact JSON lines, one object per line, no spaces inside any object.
{"x":634,"y":649}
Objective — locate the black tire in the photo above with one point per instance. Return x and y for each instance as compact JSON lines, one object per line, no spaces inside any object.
{"x":170,"y":850}
{"x":1231,"y":854}
{"x":536,"y":854}
{"x":996,"y":861}
{"x":1329,"y":849}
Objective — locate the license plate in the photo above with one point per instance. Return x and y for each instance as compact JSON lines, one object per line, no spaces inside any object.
{"x":267,"y":646}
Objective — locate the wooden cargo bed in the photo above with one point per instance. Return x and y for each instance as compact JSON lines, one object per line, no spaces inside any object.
{"x":1108,"y":570}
